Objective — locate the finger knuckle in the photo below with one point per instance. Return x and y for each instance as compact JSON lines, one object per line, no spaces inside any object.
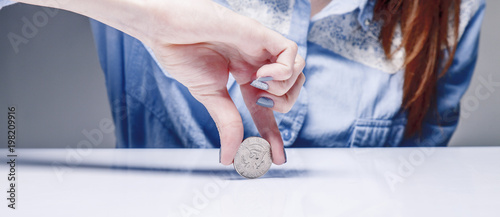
{"x":285,"y":108}
{"x":302,"y":79}
{"x":293,"y":46}
{"x":286,"y":104}
{"x":284,"y":73}
{"x":230,"y":125}
{"x":301,"y":63}
{"x":281,"y":88}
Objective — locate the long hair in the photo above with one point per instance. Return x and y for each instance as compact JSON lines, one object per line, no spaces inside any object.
{"x":425,"y":32}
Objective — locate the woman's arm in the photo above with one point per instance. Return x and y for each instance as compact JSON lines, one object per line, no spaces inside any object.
{"x":150,"y":20}
{"x":199,"y":42}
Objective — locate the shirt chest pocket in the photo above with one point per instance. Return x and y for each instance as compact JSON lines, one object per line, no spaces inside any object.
{"x":377,"y":133}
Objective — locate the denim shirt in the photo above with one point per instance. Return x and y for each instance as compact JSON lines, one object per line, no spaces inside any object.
{"x":352,"y":96}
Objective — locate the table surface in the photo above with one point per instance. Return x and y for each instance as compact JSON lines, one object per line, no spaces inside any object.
{"x":314,"y":182}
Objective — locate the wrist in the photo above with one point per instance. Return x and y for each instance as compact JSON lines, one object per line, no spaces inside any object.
{"x":192,"y":21}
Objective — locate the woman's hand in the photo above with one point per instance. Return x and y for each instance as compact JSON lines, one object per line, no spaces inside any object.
{"x":204,"y":69}
{"x":224,"y":43}
{"x":199,"y":43}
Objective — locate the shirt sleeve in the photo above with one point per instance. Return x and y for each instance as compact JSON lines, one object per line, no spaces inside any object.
{"x":451,"y":88}
{"x":4,"y":3}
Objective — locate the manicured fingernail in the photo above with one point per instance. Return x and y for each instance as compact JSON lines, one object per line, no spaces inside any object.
{"x":259,"y":84}
{"x":267,"y":78}
{"x":265,"y":102}
{"x":285,"y":153}
{"x":219,"y":156}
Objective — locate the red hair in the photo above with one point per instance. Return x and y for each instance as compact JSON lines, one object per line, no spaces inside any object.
{"x":424,"y":28}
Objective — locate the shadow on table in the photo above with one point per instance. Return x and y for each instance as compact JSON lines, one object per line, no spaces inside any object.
{"x":223,"y":173}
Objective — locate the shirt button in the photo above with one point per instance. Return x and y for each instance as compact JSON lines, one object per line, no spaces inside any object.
{"x":367,"y":22}
{"x":286,"y":135}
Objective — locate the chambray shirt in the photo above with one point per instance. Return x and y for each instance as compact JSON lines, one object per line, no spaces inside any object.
{"x":352,"y":96}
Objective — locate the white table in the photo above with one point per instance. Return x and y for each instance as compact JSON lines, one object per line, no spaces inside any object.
{"x":314,"y":182}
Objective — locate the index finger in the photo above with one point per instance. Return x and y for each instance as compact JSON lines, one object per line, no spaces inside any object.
{"x":265,"y":122}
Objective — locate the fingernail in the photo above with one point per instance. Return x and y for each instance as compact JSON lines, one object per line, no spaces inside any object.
{"x":265,"y":102}
{"x":259,"y":84}
{"x":219,"y":156}
{"x":285,"y":153}
{"x":267,"y":78}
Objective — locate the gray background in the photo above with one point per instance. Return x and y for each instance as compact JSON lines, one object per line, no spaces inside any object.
{"x":58,"y":87}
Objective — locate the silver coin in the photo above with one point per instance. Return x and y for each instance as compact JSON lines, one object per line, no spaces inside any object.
{"x":253,"y":158}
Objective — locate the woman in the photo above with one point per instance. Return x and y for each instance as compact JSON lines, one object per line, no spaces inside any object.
{"x":379,"y":73}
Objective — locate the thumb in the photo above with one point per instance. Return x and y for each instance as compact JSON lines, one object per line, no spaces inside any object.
{"x":228,"y":121}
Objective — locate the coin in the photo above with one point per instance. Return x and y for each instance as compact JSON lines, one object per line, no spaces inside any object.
{"x":253,"y":158}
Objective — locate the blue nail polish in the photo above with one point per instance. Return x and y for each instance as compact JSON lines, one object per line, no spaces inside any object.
{"x":260,"y":85}
{"x":265,"y":102}
{"x":267,"y":78}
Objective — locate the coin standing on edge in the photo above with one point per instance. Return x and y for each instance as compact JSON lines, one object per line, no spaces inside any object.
{"x":253,"y":158}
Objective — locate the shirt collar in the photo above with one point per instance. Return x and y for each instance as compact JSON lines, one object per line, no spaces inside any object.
{"x":338,"y":7}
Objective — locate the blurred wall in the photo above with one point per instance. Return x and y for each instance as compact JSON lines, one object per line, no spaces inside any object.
{"x":480,"y":115}
{"x":54,"y":80}
{"x":58,"y":87}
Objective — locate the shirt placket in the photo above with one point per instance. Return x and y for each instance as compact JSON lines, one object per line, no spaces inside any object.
{"x":292,"y":122}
